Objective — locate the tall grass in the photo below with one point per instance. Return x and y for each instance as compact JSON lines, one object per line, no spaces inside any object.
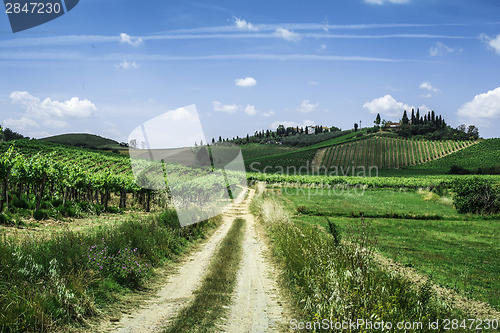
{"x":72,"y":275}
{"x":342,"y":282}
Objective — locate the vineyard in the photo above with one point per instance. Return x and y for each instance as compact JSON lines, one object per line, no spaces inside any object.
{"x":37,"y":176}
{"x":385,"y":152}
{"x":482,"y":155}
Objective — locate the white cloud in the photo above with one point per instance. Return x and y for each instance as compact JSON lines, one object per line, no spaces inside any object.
{"x":287,"y":34}
{"x":313,"y":83}
{"x":126,"y":39}
{"x":246,"y":82}
{"x":382,"y":2}
{"x":439,"y":50}
{"x":53,"y":123}
{"x":244,"y":25}
{"x":250,"y":110}
{"x":386,"y":105}
{"x":323,"y":47}
{"x":228,"y":108}
{"x":21,"y":124}
{"x":493,"y":43}
{"x":268,"y":114}
{"x":73,"y":107}
{"x":485,"y":105}
{"x":306,"y":106}
{"x":127,"y":65}
{"x":429,"y":88}
{"x":288,"y":123}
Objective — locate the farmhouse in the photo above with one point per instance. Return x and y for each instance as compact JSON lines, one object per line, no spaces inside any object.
{"x":393,"y":125}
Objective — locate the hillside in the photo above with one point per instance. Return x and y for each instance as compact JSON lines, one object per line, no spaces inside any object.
{"x":82,"y":140}
{"x":483,"y":155}
{"x":359,"y":150}
{"x":386,"y":152}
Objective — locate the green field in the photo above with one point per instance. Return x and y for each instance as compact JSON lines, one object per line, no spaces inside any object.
{"x":455,"y":251}
{"x":483,"y":155}
{"x":387,"y":152}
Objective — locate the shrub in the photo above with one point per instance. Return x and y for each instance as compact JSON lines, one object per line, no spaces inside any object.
{"x":334,"y":231}
{"x":476,"y":196}
{"x":40,"y":215}
{"x":458,"y":170}
{"x":302,"y":210}
{"x":20,"y":203}
{"x":5,"y":220}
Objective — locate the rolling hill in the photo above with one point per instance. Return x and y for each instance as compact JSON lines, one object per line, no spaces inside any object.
{"x":356,"y":150}
{"x":385,"y":152}
{"x":83,"y":140}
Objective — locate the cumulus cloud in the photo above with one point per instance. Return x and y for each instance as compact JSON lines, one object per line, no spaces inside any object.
{"x":268,"y":114}
{"x":127,"y":65}
{"x":288,"y":123}
{"x":228,"y":108}
{"x":21,"y":124}
{"x":287,"y":34}
{"x":493,"y":43}
{"x":126,"y":39}
{"x":429,"y":88}
{"x":485,"y":105}
{"x":306,"y":106}
{"x":386,"y":105}
{"x":244,"y":25}
{"x":246,"y":82}
{"x":47,"y":113}
{"x":250,"y":110}
{"x":383,"y":2}
{"x":439,"y":50}
{"x":73,"y":107}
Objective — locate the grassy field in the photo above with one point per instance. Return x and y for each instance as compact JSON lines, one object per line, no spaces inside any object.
{"x":455,"y":251}
{"x":339,"y":281}
{"x":255,"y":150}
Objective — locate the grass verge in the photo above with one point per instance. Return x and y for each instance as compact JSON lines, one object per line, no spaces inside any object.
{"x":72,"y":276}
{"x":341,"y":282}
{"x":217,"y":287}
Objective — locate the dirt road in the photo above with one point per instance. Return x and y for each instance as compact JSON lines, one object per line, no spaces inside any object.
{"x":256,"y":307}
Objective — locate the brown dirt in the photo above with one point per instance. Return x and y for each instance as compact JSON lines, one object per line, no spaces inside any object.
{"x":258,"y":305}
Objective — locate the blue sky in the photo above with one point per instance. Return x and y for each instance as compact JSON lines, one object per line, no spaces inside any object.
{"x":110,"y":65}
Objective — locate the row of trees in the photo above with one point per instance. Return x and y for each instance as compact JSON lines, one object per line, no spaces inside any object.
{"x":431,"y":126}
{"x":282,"y":134}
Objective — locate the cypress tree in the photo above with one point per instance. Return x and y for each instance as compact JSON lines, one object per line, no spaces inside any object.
{"x":405,"y":118}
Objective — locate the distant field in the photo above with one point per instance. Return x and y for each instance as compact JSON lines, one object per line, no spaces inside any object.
{"x":293,"y":158}
{"x":355,"y":150}
{"x":387,"y":152}
{"x":482,"y":155}
{"x":255,"y":150}
{"x":458,"y":252}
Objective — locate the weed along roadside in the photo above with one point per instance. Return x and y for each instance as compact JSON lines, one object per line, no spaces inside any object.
{"x":74,"y":277}
{"x":335,"y":278}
